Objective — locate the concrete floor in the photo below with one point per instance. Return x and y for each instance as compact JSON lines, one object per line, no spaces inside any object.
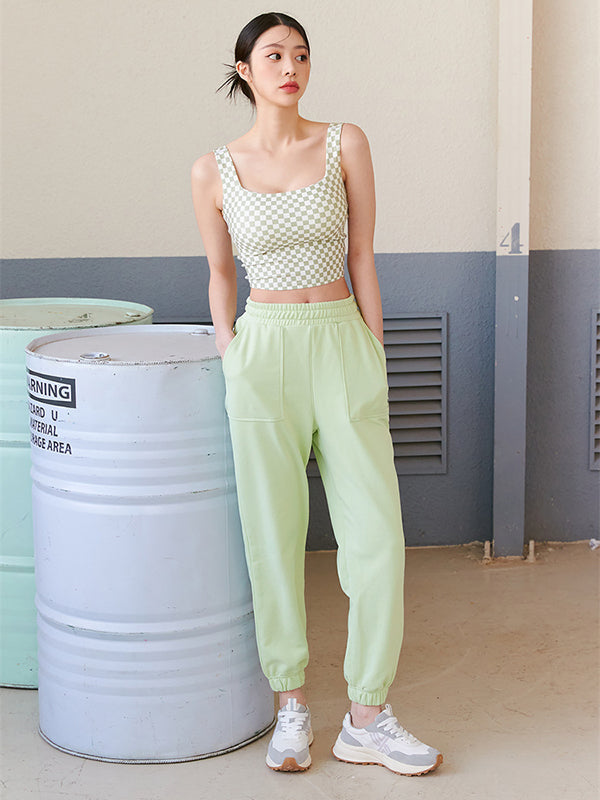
{"x":499,"y":671}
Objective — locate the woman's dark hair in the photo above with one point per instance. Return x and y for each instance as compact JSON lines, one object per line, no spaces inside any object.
{"x":245,"y":44}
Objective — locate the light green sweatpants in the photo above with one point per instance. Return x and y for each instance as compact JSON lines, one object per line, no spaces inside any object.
{"x":302,"y":374}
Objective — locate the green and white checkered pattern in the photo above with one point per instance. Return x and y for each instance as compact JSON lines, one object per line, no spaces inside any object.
{"x":289,"y":240}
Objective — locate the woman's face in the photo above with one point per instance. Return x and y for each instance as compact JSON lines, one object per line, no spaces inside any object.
{"x":279,"y":66}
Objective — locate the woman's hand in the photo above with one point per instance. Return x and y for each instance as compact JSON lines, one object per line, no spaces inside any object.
{"x":223,"y":343}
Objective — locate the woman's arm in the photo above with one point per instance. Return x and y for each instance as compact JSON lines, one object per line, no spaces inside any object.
{"x":222,"y":287}
{"x":360,"y":188}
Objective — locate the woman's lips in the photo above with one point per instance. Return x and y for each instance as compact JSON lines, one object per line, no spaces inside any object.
{"x":289,"y":87}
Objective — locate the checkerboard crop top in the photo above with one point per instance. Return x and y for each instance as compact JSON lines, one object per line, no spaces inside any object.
{"x":294,"y":239}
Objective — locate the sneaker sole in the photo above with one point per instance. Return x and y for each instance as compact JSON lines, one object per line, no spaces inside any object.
{"x":290,"y":764}
{"x":363,"y":755}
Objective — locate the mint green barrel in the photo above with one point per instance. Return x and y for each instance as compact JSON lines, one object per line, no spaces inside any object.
{"x":21,"y":321}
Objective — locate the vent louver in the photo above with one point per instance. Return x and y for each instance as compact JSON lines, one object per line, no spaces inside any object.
{"x":595,"y":393}
{"x":416,"y":348}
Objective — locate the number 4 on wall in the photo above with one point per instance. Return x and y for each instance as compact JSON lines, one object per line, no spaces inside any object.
{"x":515,"y":234}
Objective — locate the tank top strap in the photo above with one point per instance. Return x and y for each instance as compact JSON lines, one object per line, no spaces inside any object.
{"x":334,"y":147}
{"x":229,"y":177}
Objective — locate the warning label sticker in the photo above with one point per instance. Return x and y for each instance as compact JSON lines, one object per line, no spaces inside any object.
{"x":51,"y":389}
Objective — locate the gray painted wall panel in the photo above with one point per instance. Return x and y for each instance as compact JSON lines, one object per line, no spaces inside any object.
{"x":438,"y":509}
{"x":562,"y":501}
{"x":455,"y":507}
{"x":175,"y":287}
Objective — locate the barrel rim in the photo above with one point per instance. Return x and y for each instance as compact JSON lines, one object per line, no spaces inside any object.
{"x":172,"y":760}
{"x":117,"y":330}
{"x":54,"y":301}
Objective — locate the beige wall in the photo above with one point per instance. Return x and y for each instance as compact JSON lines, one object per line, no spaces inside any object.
{"x":106,"y":104}
{"x":565,"y":158}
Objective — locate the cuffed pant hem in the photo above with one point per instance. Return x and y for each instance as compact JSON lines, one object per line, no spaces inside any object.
{"x":365,"y":698}
{"x":282,"y":683}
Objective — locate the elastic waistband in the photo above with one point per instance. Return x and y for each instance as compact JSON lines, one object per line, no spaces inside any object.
{"x":303,"y":313}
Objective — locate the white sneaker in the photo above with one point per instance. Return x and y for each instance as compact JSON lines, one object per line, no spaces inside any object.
{"x":288,"y":749}
{"x":385,"y":742}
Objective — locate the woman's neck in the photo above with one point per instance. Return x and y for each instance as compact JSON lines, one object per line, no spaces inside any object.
{"x":276,"y":127}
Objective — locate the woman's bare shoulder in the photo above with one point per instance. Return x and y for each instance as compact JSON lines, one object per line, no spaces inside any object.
{"x":353,"y":136}
{"x":205,"y":170}
{"x":354,"y":146}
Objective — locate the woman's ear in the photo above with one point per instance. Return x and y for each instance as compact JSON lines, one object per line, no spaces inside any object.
{"x":243,"y":70}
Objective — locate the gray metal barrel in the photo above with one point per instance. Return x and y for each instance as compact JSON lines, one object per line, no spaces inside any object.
{"x":22,"y":320}
{"x":147,"y":649}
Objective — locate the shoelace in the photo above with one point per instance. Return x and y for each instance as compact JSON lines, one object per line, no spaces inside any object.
{"x":391,"y":725}
{"x":291,"y":721}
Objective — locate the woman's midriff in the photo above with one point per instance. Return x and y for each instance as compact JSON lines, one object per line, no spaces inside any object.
{"x":337,"y":290}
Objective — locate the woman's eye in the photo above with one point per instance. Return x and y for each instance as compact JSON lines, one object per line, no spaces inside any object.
{"x":277,"y":57}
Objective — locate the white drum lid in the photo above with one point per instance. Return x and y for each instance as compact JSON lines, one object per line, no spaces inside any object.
{"x":133,"y":344}
{"x":39,"y":313}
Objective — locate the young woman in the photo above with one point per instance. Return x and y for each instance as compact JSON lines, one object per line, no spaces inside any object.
{"x":304,"y":366}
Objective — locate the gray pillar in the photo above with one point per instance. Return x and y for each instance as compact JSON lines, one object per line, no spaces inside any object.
{"x":510,"y":391}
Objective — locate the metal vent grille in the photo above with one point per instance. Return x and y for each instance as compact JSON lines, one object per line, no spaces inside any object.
{"x":416,"y":348}
{"x":595,"y":394}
